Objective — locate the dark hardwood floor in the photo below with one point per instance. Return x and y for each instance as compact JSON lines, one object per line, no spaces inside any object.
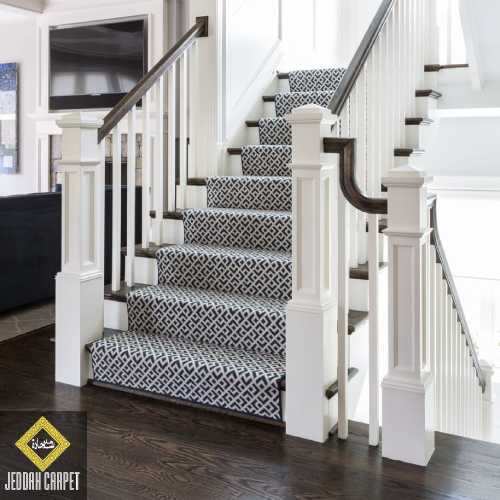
{"x":142,"y":448}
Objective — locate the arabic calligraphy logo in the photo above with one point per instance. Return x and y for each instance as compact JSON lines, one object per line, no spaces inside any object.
{"x":43,"y":444}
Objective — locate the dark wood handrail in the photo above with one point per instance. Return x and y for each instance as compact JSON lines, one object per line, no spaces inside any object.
{"x":360,"y":57}
{"x":346,"y":149}
{"x":441,"y":258}
{"x":200,"y":29}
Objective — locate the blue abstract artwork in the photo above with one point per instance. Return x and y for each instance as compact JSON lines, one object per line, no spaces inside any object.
{"x":8,"y":118}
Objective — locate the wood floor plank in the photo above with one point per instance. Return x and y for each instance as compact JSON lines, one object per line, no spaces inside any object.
{"x":143,"y":448}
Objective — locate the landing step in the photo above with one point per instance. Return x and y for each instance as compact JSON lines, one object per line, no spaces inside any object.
{"x":359,"y":273}
{"x":334,"y":388}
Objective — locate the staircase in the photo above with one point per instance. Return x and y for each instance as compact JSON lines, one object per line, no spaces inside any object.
{"x":261,"y":314}
{"x":212,"y":331}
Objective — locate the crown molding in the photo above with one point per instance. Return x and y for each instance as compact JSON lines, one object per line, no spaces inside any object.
{"x":26,"y":8}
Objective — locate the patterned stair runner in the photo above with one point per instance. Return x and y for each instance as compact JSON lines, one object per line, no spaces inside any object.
{"x":213,"y":331}
{"x":199,"y":372}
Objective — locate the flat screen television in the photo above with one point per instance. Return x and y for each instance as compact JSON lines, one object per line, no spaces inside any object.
{"x":96,"y":66}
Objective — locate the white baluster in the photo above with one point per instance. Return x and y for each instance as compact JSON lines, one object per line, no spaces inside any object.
{"x":390,"y":93}
{"x":146,"y":168}
{"x":159,"y":165}
{"x":117,"y":209}
{"x":432,"y":321}
{"x":440,"y":312}
{"x":488,"y":401}
{"x":462,"y":381}
{"x":444,"y":355}
{"x":171,"y":140}
{"x":353,"y":228}
{"x":372,"y":122}
{"x":449,"y":365}
{"x":383,"y":108}
{"x":465,"y":359}
{"x":453,"y":370}
{"x":131,"y":153}
{"x":183,"y":128}
{"x":469,"y":394}
{"x":361,"y":161}
{"x":374,"y":308}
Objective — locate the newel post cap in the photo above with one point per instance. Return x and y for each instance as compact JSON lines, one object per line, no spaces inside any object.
{"x":408,"y":176}
{"x":311,"y":113}
{"x":80,"y":119}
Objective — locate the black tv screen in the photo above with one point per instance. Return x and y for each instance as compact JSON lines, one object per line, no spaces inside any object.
{"x":95,"y":66}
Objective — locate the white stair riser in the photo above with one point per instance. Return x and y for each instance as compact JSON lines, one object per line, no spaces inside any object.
{"x":173,"y":231}
{"x":426,"y":107}
{"x":269,"y":109}
{"x":432,"y":80}
{"x":115,"y":315}
{"x":416,"y":136}
{"x":253,"y":136}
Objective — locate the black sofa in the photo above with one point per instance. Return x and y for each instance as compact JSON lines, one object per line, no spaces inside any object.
{"x":30,"y":244}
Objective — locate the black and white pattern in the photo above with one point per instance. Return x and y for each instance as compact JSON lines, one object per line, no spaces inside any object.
{"x":238,"y":228}
{"x":251,"y":323}
{"x":217,"y":376}
{"x":275,"y":132}
{"x":315,"y":80}
{"x":252,"y":193}
{"x":287,"y":101}
{"x":266,"y":160}
{"x":257,"y":273}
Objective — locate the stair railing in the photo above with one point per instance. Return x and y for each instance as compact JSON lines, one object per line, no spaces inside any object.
{"x":370,"y":110}
{"x":79,"y":293}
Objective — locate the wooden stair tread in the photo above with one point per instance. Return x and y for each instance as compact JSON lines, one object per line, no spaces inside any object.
{"x":149,"y":253}
{"x":269,"y":98}
{"x":356,"y":319}
{"x":334,"y":388}
{"x":406,"y":152}
{"x":193,"y":181}
{"x":418,"y":121}
{"x":361,"y":272}
{"x":283,"y":76}
{"x":175,"y":215}
{"x":121,"y":295}
{"x":428,"y":93}
{"x":234,"y":151}
{"x":252,"y":123}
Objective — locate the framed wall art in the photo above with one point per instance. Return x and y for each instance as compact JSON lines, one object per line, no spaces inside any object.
{"x":8,"y":118}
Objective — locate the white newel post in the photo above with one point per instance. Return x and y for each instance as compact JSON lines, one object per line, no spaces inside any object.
{"x":408,"y":388}
{"x":80,"y":284}
{"x":489,"y":398}
{"x":311,"y":315}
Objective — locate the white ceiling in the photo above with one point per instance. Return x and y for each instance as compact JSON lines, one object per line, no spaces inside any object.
{"x":486,"y":20}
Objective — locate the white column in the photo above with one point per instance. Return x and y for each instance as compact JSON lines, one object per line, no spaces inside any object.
{"x":408,"y":389}
{"x":489,"y":397}
{"x":311,"y":316}
{"x":80,"y":284}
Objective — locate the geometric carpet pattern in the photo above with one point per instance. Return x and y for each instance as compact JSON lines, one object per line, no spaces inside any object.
{"x":199,"y":372}
{"x":315,"y":80}
{"x":266,"y":160}
{"x":257,"y":273}
{"x":239,"y":228}
{"x":250,"y":323}
{"x":287,"y":101}
{"x":275,"y":132}
{"x":251,"y":193}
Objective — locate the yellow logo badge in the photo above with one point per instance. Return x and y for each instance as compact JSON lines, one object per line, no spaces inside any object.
{"x":43,"y":444}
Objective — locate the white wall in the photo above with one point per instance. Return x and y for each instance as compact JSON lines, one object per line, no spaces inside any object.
{"x":465,"y":147}
{"x":18,"y":45}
